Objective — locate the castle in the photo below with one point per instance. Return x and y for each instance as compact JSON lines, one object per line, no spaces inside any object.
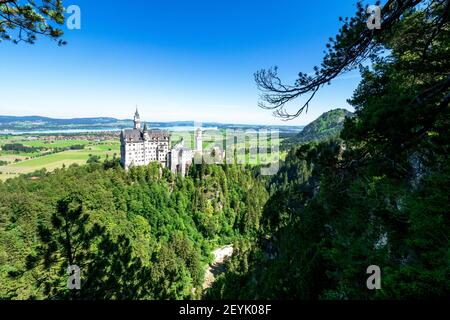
{"x":139,"y":147}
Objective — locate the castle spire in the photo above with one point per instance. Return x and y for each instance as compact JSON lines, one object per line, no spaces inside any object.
{"x":137,"y":120}
{"x":136,"y":114}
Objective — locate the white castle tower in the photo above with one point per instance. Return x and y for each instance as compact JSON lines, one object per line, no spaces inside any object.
{"x":198,"y":141}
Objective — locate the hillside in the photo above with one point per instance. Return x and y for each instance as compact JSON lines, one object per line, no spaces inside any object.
{"x":142,"y":233}
{"x":377,"y":197}
{"x":328,"y":125}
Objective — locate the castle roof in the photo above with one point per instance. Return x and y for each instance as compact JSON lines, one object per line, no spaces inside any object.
{"x":136,"y":135}
{"x":132,"y":135}
{"x":158,"y":133}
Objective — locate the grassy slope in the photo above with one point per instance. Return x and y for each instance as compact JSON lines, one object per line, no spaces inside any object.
{"x":57,"y":160}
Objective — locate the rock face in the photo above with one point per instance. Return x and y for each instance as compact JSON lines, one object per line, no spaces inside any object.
{"x":326,"y":126}
{"x":220,"y":257}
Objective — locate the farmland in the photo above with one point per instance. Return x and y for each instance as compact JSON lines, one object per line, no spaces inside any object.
{"x":49,"y":157}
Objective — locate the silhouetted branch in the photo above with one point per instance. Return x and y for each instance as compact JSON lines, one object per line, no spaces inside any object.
{"x":353,"y":45}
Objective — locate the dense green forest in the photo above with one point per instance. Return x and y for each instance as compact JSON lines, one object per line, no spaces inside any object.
{"x":142,"y":234}
{"x":377,"y":195}
{"x":373,"y":193}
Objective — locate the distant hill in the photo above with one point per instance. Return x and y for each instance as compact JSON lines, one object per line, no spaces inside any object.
{"x":30,"y":124}
{"x":327,"y":126}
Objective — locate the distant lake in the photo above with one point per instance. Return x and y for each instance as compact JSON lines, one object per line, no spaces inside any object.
{"x":107,"y":129}
{"x":168,"y":128}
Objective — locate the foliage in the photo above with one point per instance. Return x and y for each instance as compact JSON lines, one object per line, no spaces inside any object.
{"x":18,"y":147}
{"x":24,"y":20}
{"x":377,"y":196}
{"x":351,"y":47}
{"x":142,"y":234}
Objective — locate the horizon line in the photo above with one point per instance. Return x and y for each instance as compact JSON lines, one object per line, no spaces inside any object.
{"x":166,"y":121}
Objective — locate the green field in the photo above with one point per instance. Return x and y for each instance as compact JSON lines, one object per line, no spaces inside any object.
{"x":54,"y":144}
{"x":31,"y":162}
{"x":43,"y":143}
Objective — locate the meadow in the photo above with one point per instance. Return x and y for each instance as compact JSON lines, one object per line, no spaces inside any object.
{"x":22,"y":163}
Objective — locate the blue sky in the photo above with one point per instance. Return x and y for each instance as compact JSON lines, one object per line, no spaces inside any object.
{"x":176,"y":60}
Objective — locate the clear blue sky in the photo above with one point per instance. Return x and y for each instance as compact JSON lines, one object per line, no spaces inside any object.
{"x":177,"y":60}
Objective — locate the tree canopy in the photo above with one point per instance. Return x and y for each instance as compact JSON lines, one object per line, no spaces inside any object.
{"x":24,"y":21}
{"x":142,"y":234}
{"x":378,"y":195}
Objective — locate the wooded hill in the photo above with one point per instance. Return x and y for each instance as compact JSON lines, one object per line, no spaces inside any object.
{"x":327,"y":126}
{"x":142,"y":234}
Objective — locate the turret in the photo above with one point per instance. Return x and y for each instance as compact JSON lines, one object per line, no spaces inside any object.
{"x":146,"y":135}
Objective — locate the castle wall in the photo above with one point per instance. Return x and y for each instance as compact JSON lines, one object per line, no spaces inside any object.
{"x":140,"y":153}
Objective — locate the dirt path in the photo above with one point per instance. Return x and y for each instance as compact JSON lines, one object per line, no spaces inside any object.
{"x":217,"y":267}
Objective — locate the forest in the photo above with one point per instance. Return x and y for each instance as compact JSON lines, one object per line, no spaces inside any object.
{"x":374,"y":192}
{"x":142,"y":234}
{"x":378,"y":194}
